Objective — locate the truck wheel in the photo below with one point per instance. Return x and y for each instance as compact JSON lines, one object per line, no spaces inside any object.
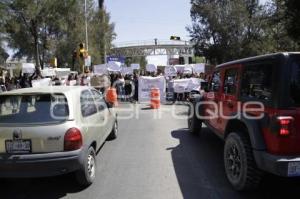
{"x":240,"y":166}
{"x":194,"y":123}
{"x":86,"y":175}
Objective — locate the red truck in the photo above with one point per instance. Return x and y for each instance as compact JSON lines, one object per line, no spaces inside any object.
{"x":253,"y":104}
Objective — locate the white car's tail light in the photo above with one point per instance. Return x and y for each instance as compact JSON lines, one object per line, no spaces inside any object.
{"x":72,"y":140}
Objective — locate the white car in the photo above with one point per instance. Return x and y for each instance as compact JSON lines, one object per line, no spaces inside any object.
{"x":52,"y":131}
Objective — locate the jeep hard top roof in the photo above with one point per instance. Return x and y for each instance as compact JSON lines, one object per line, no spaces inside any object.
{"x":256,"y":58}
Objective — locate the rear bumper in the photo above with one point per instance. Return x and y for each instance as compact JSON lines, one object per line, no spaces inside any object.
{"x":40,"y":165}
{"x":278,"y":165}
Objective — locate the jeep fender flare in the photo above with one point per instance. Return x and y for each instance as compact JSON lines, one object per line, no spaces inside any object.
{"x":253,"y":128}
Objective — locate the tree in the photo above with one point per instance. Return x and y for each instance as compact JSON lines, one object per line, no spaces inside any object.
{"x":3,"y":54}
{"x":43,"y":29}
{"x":102,"y":35}
{"x":72,"y":32}
{"x":292,"y":14}
{"x":32,"y":26}
{"x":280,"y":37}
{"x":225,"y":30}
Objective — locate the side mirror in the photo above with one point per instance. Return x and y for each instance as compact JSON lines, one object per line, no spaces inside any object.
{"x":204,"y":86}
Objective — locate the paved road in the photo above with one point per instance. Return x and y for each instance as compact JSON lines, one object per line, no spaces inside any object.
{"x":153,"y":157}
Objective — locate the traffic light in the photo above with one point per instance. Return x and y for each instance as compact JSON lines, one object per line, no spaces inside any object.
{"x":53,"y":62}
{"x":175,"y":38}
{"x":82,"y":51}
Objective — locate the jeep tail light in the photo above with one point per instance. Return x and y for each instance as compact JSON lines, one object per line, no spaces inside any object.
{"x":285,"y":125}
{"x":72,"y":140}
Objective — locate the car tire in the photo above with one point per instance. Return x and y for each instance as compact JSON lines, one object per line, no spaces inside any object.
{"x":114,"y":132}
{"x":86,"y":175}
{"x":239,"y":163}
{"x":194,"y":123}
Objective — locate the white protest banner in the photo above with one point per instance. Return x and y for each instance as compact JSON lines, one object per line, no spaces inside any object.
{"x":199,"y":68}
{"x":100,"y":69}
{"x":28,"y":68}
{"x":62,"y":72}
{"x":114,"y":66}
{"x":170,"y":71}
{"x":180,"y":68}
{"x":41,"y":82}
{"x":48,"y":72}
{"x":194,"y":84}
{"x":126,"y":71}
{"x":181,"y":85}
{"x":135,"y":66}
{"x":151,"y":68}
{"x":188,"y":69}
{"x":145,"y":85}
{"x":186,"y":85}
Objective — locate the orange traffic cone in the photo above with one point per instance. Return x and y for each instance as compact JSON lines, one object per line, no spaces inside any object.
{"x":155,"y":98}
{"x":111,"y":96}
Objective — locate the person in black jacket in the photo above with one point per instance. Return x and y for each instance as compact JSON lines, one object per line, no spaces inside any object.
{"x":25,"y":81}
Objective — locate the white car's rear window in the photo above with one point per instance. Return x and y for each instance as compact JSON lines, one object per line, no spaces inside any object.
{"x":33,"y":108}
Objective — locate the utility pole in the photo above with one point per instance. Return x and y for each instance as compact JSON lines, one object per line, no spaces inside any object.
{"x":86,"y":26}
{"x":101,"y":4}
{"x":102,"y":12}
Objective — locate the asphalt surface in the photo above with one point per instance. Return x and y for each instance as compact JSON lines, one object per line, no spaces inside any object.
{"x":153,"y":157}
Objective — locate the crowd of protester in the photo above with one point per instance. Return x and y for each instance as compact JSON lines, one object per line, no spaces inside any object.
{"x":126,"y":85}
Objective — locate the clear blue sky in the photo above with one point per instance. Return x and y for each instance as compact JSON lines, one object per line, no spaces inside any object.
{"x":149,"y":19}
{"x":137,"y":20}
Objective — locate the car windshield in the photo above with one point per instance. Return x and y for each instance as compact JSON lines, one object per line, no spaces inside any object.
{"x":33,"y":108}
{"x":295,"y":80}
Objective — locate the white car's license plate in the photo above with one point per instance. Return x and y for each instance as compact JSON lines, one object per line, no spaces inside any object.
{"x":18,"y":146}
{"x":294,"y":169}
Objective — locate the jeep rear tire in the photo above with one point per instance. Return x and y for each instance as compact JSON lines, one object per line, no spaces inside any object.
{"x":240,"y":166}
{"x":194,"y":123}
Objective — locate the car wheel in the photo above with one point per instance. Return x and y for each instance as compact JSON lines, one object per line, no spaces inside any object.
{"x":114,"y":132}
{"x":194,"y":123}
{"x":240,"y":166}
{"x":86,"y":175}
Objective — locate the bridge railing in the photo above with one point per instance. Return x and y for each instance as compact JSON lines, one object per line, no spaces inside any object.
{"x":151,"y":43}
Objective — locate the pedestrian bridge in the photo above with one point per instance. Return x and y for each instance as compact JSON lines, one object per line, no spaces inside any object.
{"x":153,"y":47}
